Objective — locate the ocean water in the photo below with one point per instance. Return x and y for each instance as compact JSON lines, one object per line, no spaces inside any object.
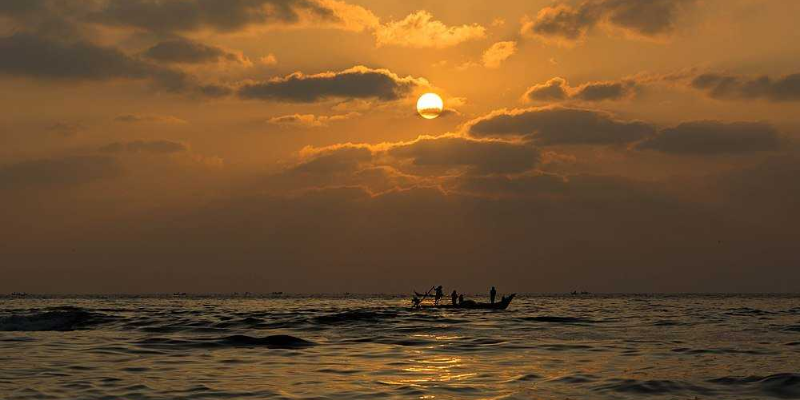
{"x":351,"y":347}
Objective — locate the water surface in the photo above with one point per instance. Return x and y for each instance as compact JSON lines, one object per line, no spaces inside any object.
{"x":345,"y":347}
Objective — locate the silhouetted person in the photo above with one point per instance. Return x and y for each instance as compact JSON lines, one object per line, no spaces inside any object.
{"x":416,"y":301}
{"x":438,"y":296}
{"x":454,"y":297}
{"x":492,"y":294}
{"x":460,"y":299}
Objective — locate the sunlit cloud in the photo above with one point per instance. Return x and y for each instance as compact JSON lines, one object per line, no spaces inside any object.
{"x":497,"y":53}
{"x":420,"y":30}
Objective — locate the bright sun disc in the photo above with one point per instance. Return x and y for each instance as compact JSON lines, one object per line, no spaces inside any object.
{"x":430,"y":105}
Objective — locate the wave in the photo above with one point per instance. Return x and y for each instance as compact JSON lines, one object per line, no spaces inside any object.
{"x":561,"y":320}
{"x":355,"y":316}
{"x":653,"y":387}
{"x":785,"y":385}
{"x":669,"y":322}
{"x":686,"y":350}
{"x":747,"y":311}
{"x":61,"y":319}
{"x":271,"y":342}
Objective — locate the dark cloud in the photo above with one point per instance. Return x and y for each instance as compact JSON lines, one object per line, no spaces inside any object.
{"x":145,"y":146}
{"x":561,"y":21}
{"x":557,"y":89}
{"x":650,"y":18}
{"x":189,"y":52}
{"x":735,"y":87}
{"x":354,"y":83}
{"x":214,"y":90}
{"x":560,"y":125}
{"x":485,"y":156}
{"x":193,"y":15}
{"x":599,"y":91}
{"x":715,"y":137}
{"x":32,"y":56}
{"x":66,"y":171}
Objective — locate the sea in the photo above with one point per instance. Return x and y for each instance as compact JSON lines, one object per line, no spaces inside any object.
{"x":376,"y":346}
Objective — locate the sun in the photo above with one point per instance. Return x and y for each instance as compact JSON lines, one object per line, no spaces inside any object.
{"x":430,"y":105}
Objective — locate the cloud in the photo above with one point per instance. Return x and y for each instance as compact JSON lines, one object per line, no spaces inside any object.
{"x":420,"y":30}
{"x":424,"y":157}
{"x":349,"y":17}
{"x":566,"y":24}
{"x":310,"y":120}
{"x":736,"y":87}
{"x":66,"y":129}
{"x":187,"y":51}
{"x":32,"y":56}
{"x":715,"y":137}
{"x":499,"y":52}
{"x":557,"y":89}
{"x":175,"y":16}
{"x":65,"y":171}
{"x":355,"y":83}
{"x":269,"y":59}
{"x":145,"y":146}
{"x":560,"y":125}
{"x":337,"y":158}
{"x":159,"y":119}
{"x":484,"y":156}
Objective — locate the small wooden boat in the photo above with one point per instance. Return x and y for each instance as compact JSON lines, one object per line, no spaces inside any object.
{"x":473,"y":305}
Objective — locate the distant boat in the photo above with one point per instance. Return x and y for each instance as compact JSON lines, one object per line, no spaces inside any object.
{"x":19,"y":294}
{"x":473,"y":305}
{"x":179,"y":294}
{"x":277,"y":293}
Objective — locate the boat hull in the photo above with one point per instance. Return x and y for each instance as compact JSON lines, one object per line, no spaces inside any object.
{"x":501,"y":305}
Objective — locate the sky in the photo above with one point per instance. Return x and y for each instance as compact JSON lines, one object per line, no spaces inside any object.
{"x":220,"y":146}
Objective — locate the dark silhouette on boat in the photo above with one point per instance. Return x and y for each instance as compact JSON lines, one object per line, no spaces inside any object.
{"x":474,"y":305}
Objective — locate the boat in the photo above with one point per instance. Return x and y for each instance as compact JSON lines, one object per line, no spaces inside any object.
{"x":474,"y":305}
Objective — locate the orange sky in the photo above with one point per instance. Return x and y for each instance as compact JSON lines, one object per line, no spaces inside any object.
{"x":264,"y":145}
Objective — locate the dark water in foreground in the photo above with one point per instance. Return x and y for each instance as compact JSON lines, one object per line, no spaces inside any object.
{"x":543,"y":347}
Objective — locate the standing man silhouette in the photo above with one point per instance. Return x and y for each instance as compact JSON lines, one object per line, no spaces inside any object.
{"x":492,"y":294}
{"x":454,"y":297}
{"x":438,"y":296}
